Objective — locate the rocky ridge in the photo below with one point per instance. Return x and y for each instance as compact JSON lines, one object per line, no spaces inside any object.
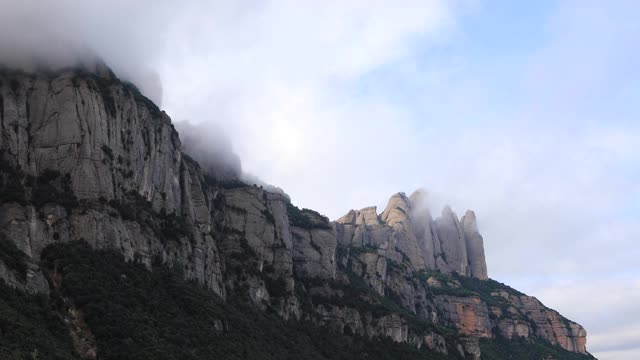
{"x":85,"y":156}
{"x":406,"y":229}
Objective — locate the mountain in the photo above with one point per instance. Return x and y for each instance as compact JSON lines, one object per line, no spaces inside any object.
{"x":100,"y":208}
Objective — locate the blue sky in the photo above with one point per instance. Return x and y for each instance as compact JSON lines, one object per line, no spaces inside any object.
{"x":525,"y":111}
{"x":488,"y":46}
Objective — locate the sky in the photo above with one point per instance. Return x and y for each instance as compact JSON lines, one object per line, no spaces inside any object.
{"x":526,"y":112}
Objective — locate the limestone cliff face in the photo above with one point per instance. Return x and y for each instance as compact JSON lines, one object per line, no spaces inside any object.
{"x":84,"y":156}
{"x":110,"y":146}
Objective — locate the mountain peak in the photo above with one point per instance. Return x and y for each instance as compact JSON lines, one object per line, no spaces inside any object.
{"x":397,"y":210}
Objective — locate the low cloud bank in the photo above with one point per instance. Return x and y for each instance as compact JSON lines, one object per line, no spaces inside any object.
{"x":52,"y":35}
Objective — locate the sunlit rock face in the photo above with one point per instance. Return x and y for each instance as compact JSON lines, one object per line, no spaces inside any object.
{"x":85,"y":156}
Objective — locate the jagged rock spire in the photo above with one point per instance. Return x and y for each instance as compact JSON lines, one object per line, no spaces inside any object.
{"x":475,"y":246}
{"x":425,"y":230}
{"x":406,"y":230}
{"x":397,"y":210}
{"x":453,"y":243}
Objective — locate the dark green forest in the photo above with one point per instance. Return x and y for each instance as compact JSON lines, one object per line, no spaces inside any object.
{"x":135,"y":313}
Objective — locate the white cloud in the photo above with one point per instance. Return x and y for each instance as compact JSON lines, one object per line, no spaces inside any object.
{"x":280,"y":77}
{"x":631,"y":354}
{"x":610,"y":305}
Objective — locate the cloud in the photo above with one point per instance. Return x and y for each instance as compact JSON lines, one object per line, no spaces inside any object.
{"x":610,"y":303}
{"x":62,"y":33}
{"x":279,"y":78}
{"x":209,"y":145}
{"x":268,"y":73}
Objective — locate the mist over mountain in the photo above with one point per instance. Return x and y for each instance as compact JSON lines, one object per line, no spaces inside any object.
{"x":208,"y":145}
{"x":52,"y":35}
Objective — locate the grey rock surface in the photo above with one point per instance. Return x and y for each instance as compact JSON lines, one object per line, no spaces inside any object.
{"x":475,"y":246}
{"x":452,"y":241}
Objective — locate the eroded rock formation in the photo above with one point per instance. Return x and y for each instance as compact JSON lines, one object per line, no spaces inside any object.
{"x":85,"y":156}
{"x":406,"y":229}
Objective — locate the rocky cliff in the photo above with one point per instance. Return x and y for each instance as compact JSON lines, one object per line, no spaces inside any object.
{"x":85,"y":156}
{"x":406,"y":229}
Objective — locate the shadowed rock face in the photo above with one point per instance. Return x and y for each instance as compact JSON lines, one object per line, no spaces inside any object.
{"x":120,"y":180}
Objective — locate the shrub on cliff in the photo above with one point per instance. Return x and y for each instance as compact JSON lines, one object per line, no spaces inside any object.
{"x":12,"y":257}
{"x":31,"y":328}
{"x":306,"y":218}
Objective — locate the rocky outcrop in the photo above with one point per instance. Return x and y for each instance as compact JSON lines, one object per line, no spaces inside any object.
{"x":314,"y":252}
{"x":84,"y":156}
{"x":454,"y":248}
{"x":404,"y":239}
{"x":475,"y":246}
{"x":405,"y":229}
{"x":33,"y":281}
{"x":347,"y":320}
{"x":528,"y":317}
{"x":469,"y":314}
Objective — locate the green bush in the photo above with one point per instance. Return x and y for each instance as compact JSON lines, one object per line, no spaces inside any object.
{"x":277,"y":287}
{"x":31,"y":325}
{"x":306,"y":218}
{"x":12,"y":188}
{"x":469,"y":286}
{"x":109,"y":86}
{"x":51,"y":187}
{"x":522,"y":349}
{"x":13,"y":258}
{"x":107,"y":151}
{"x":135,"y":207}
{"x":233,"y":184}
{"x":154,"y":110}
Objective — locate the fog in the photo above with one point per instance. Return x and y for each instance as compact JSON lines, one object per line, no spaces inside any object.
{"x":54,"y":34}
{"x":211,"y":148}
